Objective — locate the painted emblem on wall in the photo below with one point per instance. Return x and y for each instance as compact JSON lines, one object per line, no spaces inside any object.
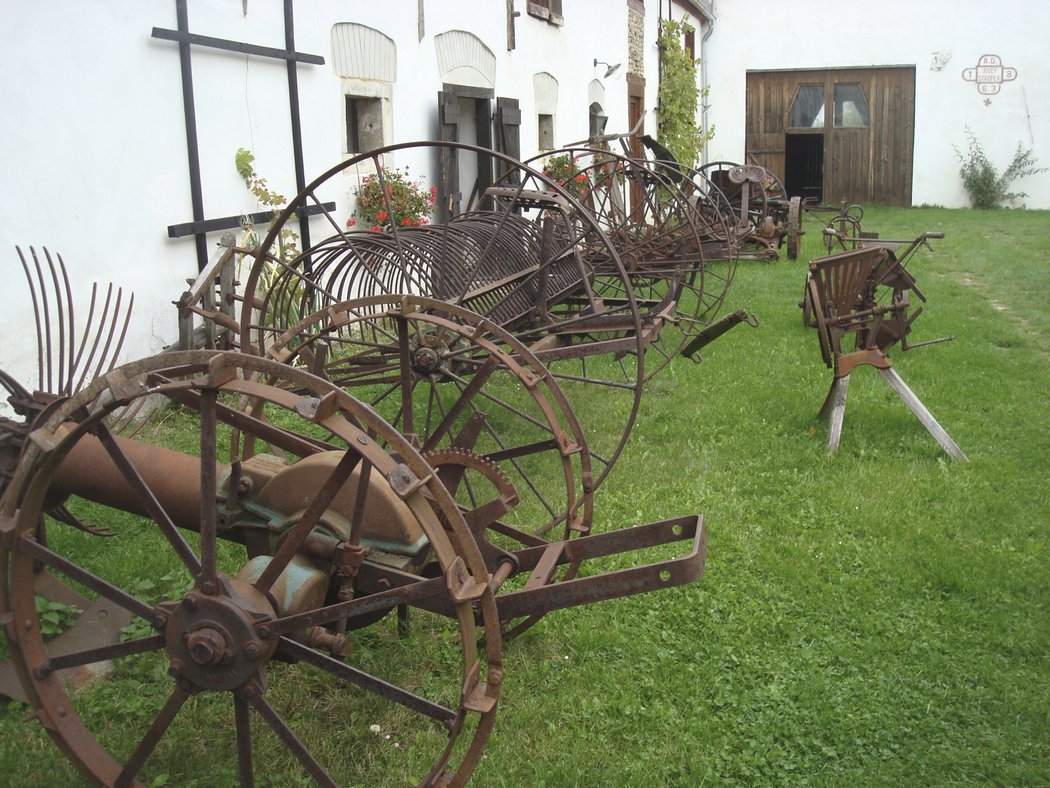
{"x":989,"y":74}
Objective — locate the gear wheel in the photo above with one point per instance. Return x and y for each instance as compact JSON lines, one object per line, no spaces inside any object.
{"x":452,"y":464}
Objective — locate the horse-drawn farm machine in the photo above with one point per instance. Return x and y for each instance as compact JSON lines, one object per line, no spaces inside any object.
{"x":385,"y":421}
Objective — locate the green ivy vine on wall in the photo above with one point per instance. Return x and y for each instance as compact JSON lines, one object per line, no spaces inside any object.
{"x":679,"y":95}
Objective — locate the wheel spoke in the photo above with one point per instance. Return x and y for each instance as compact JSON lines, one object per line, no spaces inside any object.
{"x":366,"y":681}
{"x":291,"y":741}
{"x":57,"y":562}
{"x":407,"y":387}
{"x":149,"y":501}
{"x":242,"y":721}
{"x":293,"y":541}
{"x":102,"y":653}
{"x":153,"y":736}
{"x":467,"y":393}
{"x":208,"y":484}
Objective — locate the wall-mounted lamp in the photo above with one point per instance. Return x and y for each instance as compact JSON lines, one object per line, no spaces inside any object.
{"x":610,"y":70}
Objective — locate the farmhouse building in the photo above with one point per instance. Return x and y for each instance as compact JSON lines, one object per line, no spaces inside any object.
{"x":124,"y":116}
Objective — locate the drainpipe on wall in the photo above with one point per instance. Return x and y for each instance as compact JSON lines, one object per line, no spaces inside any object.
{"x":710,"y":17}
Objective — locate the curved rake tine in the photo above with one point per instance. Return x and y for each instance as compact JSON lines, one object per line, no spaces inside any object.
{"x":87,"y":328}
{"x":102,"y":366}
{"x":46,"y":358}
{"x":60,"y":317}
{"x":36,"y":316}
{"x":67,"y":377}
{"x":98,"y":338}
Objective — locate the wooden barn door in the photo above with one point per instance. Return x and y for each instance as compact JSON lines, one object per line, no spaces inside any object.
{"x":871,"y":132}
{"x":767,"y":94}
{"x":835,"y":134}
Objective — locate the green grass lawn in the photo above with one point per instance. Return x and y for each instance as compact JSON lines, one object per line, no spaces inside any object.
{"x":880,"y":616}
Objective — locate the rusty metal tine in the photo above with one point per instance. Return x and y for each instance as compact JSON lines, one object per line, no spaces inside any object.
{"x":67,"y":376}
{"x":97,"y":339}
{"x":84,"y":336}
{"x":123,"y":332}
{"x":113,"y":318}
{"x":45,"y":383}
{"x":56,"y":386}
{"x":36,"y":319}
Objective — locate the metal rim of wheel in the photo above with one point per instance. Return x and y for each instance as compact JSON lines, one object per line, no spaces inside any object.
{"x":458,"y":728}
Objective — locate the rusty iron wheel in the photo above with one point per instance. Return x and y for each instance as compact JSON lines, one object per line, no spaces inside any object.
{"x":447,"y":378}
{"x":666,"y":228}
{"x":520,"y":252}
{"x":479,"y":405}
{"x":230,"y":646}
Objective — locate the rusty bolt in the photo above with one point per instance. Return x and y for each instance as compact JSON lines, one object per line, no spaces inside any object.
{"x":252,"y":650}
{"x":191,"y":602}
{"x":244,"y":486}
{"x":176,"y":669}
{"x":209,"y":587}
{"x":263,"y":631}
{"x":208,"y":646}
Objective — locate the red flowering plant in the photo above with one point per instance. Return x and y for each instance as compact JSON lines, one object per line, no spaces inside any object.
{"x":564,"y":170}
{"x":392,"y":198}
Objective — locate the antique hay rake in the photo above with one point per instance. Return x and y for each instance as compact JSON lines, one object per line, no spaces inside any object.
{"x":401,"y":432}
{"x":863,"y":295}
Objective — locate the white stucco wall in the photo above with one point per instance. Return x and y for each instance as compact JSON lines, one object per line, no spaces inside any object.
{"x":94,"y":140}
{"x":767,"y":34}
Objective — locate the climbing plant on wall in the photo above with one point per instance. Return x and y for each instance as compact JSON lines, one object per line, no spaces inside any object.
{"x":680,"y":95}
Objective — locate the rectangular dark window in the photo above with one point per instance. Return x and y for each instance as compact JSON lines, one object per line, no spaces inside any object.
{"x":546,"y":132}
{"x":364,"y":124}
{"x":546,"y":9}
{"x":690,"y":44}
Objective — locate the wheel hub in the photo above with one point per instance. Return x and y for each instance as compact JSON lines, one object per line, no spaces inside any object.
{"x":212,"y":639}
{"x":426,"y":360}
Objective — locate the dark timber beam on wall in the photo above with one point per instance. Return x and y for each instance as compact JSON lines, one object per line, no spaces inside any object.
{"x":200,"y":226}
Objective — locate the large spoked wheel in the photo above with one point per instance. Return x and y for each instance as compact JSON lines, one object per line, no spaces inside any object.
{"x":664,"y":228}
{"x":449,"y":379}
{"x":239,"y":657}
{"x":519,"y":252}
{"x":483,"y":411}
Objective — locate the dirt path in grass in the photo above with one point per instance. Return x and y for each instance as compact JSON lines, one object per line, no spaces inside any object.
{"x":1010,"y":313}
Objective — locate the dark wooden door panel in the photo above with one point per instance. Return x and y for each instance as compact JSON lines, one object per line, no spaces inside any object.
{"x":867,"y":156}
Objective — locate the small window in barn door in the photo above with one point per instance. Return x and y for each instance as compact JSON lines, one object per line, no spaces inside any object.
{"x":851,"y":108}
{"x":807,"y":110}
